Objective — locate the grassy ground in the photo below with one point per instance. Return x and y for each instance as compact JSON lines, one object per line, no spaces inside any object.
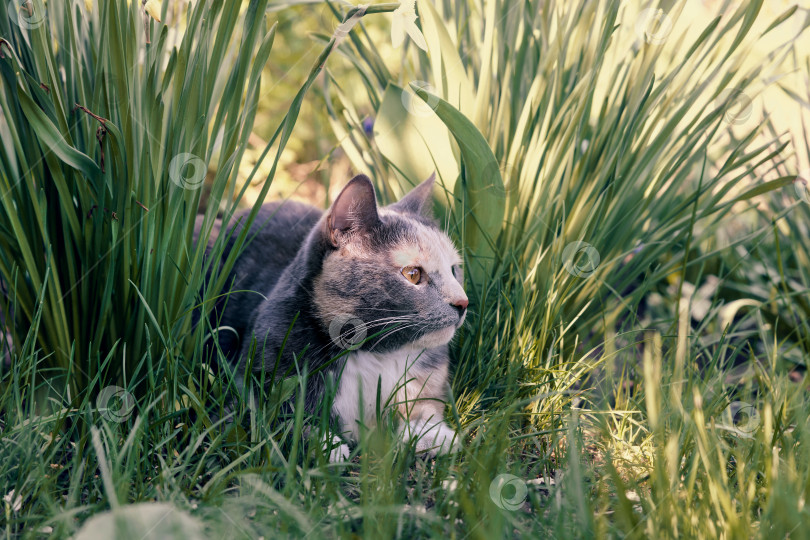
{"x":649,"y":381}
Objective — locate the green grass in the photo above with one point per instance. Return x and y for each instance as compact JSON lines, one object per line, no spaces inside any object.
{"x":610,"y":399}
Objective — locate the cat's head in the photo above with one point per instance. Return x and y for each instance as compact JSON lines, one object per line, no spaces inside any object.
{"x":389,"y":271}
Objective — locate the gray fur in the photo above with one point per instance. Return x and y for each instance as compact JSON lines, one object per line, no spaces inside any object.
{"x":321,"y":266}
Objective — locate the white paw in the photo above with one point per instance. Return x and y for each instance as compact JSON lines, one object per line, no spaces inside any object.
{"x":432,"y":439}
{"x":340,"y":451}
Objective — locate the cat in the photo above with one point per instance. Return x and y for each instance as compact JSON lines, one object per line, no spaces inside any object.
{"x":376,"y":295}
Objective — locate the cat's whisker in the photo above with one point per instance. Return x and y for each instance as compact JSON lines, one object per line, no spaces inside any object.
{"x":350,"y":317}
{"x":382,"y":322}
{"x":345,"y":337}
{"x":355,"y":319}
{"x":390,"y":310}
{"x":394,"y":331}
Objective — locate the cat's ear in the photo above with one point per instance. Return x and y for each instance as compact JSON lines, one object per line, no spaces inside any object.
{"x":420,"y":199}
{"x":355,"y":209}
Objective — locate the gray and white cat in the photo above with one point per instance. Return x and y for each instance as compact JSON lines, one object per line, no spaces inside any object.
{"x":384,"y":283}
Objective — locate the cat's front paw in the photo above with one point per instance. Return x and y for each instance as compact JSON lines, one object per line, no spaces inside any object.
{"x":432,"y":439}
{"x":340,"y":454}
{"x":339,"y":451}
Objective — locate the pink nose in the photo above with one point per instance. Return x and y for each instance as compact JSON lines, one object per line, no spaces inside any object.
{"x":461,"y":303}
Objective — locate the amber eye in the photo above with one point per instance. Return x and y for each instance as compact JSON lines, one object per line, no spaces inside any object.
{"x":412,"y":274}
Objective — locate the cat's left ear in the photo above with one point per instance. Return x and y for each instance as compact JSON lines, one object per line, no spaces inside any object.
{"x":354,"y":210}
{"x":419,"y":201}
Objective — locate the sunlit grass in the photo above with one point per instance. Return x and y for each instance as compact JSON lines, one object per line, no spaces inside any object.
{"x":658,"y":391}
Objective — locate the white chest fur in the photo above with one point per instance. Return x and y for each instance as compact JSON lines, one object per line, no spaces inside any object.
{"x":414,"y":385}
{"x":356,"y":399}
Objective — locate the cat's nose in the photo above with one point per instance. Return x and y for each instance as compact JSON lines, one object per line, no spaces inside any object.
{"x":460,"y":305}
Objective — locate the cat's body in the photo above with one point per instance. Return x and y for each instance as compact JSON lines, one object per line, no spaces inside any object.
{"x":380,"y":283}
{"x":279,"y":228}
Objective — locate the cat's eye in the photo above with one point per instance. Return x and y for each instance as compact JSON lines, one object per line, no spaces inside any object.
{"x":412,"y":274}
